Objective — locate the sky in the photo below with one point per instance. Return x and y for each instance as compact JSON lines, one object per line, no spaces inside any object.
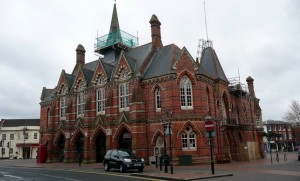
{"x":253,"y":38}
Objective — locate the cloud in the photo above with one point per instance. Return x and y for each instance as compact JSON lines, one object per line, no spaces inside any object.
{"x":252,"y":38}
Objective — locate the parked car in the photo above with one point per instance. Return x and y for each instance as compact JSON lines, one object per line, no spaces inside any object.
{"x":122,"y":160}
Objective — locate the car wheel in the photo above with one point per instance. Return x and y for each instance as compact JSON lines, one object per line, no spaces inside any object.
{"x":121,"y":167}
{"x":141,"y":169}
{"x":106,"y":167}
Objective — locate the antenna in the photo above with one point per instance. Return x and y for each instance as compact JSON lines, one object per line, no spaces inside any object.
{"x":205,"y":20}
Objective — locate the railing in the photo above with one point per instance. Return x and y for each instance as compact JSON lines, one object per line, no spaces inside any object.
{"x":117,"y":37}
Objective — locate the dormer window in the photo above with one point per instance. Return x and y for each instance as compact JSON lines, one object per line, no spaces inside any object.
{"x":101,"y":80}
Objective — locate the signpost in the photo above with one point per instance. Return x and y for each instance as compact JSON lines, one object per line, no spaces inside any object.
{"x":210,"y":133}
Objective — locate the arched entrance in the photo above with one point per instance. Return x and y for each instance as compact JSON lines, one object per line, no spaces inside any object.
{"x":125,"y":141}
{"x":80,"y":146}
{"x":61,"y":148}
{"x":100,"y":147}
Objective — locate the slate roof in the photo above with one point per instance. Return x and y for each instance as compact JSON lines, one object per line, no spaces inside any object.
{"x":211,"y":64}
{"x":160,"y":63}
{"x":162,"y":60}
{"x":20,"y":122}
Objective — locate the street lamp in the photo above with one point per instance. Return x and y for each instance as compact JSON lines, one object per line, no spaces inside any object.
{"x":168,"y":131}
{"x":24,"y":131}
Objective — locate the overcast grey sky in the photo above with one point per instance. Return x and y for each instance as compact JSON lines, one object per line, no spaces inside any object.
{"x":259,"y":38}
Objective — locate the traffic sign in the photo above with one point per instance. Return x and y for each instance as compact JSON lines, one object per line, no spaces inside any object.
{"x":209,"y":125}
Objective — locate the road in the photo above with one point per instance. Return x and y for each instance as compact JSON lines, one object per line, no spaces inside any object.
{"x":11,"y":173}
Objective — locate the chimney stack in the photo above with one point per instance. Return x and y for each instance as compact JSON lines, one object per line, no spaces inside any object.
{"x":80,"y":55}
{"x":250,"y":85}
{"x":155,"y":32}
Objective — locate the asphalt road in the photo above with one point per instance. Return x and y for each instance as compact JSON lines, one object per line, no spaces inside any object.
{"x":277,"y":172}
{"x":11,"y":173}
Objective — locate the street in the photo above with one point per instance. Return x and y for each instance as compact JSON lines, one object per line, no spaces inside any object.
{"x":258,"y":170}
{"x":9,"y":173}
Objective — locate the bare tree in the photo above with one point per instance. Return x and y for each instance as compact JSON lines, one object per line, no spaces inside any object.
{"x":293,"y":114}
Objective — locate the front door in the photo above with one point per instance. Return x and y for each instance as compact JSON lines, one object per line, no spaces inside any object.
{"x":80,"y":147}
{"x":100,"y":147}
{"x":125,"y":141}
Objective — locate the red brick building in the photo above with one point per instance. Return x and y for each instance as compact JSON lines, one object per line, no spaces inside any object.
{"x":122,"y":99}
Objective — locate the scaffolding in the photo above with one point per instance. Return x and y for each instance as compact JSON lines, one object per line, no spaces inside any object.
{"x":117,"y":37}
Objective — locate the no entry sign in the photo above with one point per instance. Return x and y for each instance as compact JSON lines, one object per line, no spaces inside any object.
{"x":209,"y":126}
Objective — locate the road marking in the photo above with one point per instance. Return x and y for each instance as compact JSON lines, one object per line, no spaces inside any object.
{"x":118,"y":175}
{"x":46,"y":175}
{"x":12,"y":176}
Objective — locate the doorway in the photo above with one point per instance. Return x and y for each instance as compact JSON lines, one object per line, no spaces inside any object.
{"x":125,"y":141}
{"x":100,"y":147}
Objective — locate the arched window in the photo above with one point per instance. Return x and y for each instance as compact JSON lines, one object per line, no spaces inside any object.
{"x":208,"y":101}
{"x":62,"y":108}
{"x":80,"y":100}
{"x":124,"y":92}
{"x":157,"y":100}
{"x":186,"y":93}
{"x":188,"y":139}
{"x":101,"y":101}
{"x":48,"y":117}
{"x":62,"y":102}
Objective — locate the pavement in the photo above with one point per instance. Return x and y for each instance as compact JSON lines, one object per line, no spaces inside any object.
{"x":185,"y":173}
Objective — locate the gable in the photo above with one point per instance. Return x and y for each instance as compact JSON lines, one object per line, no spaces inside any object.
{"x":185,"y":61}
{"x":80,"y":79}
{"x":99,"y":73}
{"x":63,"y":84}
{"x":122,"y":66}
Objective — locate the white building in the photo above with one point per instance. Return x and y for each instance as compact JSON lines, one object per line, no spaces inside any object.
{"x":19,"y":138}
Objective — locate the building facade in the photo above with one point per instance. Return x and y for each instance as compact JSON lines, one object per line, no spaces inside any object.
{"x":19,"y":138}
{"x":122,"y":100}
{"x":283,"y":143}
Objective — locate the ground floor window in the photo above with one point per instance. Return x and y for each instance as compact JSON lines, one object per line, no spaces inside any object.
{"x":188,"y":139}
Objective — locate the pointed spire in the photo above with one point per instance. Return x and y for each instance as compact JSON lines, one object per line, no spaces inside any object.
{"x":114,"y":25}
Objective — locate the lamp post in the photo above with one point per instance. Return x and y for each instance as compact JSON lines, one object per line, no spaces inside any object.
{"x":210,"y":133}
{"x":24,"y":131}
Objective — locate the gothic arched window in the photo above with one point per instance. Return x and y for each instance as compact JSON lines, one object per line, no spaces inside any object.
{"x":186,"y":93}
{"x":188,"y":139}
{"x":157,"y":100}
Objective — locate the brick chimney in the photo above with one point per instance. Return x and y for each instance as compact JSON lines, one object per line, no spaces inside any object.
{"x":155,"y":32}
{"x":80,"y":55}
{"x":250,"y":86}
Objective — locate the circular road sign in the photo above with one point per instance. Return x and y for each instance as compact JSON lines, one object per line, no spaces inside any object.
{"x":209,"y":125}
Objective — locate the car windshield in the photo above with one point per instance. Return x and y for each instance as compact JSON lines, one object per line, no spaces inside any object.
{"x":123,"y":153}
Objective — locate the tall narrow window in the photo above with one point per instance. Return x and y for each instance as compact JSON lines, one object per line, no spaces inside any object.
{"x":188,"y":139}
{"x":35,"y":136}
{"x":186,"y":93}
{"x":12,"y":136}
{"x":62,"y":108}
{"x":3,"y":136}
{"x":157,"y":100}
{"x":208,"y":101}
{"x":124,"y":96}
{"x":80,"y":104}
{"x":101,"y":101}
{"x":48,"y":117}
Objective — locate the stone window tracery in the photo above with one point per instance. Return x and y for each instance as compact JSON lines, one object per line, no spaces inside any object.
{"x":188,"y":139}
{"x":186,"y":93}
